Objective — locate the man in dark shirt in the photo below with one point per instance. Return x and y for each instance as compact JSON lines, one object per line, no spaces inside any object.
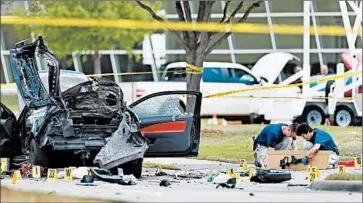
{"x":317,"y":139}
{"x":278,"y":136}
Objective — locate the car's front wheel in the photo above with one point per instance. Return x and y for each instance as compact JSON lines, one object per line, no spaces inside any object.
{"x":133,"y":168}
{"x":37,"y":155}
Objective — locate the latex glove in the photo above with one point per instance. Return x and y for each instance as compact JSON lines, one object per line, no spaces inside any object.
{"x":304,"y":161}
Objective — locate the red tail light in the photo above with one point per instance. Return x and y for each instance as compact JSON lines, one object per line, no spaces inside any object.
{"x":139,"y":93}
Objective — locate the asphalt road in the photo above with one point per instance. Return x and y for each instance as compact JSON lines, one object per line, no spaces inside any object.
{"x":189,"y":190}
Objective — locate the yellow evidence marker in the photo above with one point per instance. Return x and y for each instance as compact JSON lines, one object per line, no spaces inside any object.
{"x":342,"y":169}
{"x":251,"y":172}
{"x":316,"y":171}
{"x":4,"y":165}
{"x":35,"y":171}
{"x":52,"y":174}
{"x":243,"y":165}
{"x":231,"y":173}
{"x":311,"y":177}
{"x":68,"y":174}
{"x":16,"y":177}
{"x":358,"y":163}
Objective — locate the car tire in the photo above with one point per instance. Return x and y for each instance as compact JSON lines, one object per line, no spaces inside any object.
{"x":343,"y":116}
{"x":313,"y":115}
{"x":133,"y":168}
{"x":37,"y":155}
{"x":266,"y":176}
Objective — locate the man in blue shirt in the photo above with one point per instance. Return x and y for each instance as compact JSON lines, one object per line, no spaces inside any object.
{"x":317,"y":139}
{"x":278,"y":136}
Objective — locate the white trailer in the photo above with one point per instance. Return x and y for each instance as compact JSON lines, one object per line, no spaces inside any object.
{"x":306,"y":105}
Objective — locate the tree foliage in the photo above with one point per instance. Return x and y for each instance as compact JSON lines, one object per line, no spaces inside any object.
{"x":64,"y":40}
{"x":198,"y":45}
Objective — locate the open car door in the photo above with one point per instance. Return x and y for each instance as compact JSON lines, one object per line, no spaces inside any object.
{"x":171,"y":129}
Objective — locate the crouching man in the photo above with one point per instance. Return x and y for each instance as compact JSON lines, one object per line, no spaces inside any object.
{"x":278,"y":136}
{"x":317,"y":139}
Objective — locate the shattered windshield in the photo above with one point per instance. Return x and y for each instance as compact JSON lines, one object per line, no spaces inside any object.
{"x":164,"y":105}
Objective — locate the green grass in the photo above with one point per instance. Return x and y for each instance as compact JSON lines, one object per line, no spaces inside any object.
{"x":232,"y":143}
{"x":11,"y":101}
{"x":163,"y":166}
{"x":345,"y":176}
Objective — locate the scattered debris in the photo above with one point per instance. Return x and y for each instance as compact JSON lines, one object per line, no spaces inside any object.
{"x":128,"y":180}
{"x":87,"y":179}
{"x":230,"y":184}
{"x":52,"y":192}
{"x":105,"y":175}
{"x":165,"y":183}
{"x":267,"y":176}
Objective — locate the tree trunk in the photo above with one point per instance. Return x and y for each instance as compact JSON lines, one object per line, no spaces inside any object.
{"x":193,"y":80}
{"x":97,"y":63}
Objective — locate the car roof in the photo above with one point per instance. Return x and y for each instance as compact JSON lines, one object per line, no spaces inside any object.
{"x":208,"y":65}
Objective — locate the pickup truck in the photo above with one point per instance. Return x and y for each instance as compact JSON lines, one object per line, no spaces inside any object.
{"x":221,"y":77}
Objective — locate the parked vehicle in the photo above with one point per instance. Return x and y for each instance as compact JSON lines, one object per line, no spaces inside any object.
{"x":221,"y":77}
{"x":89,"y":123}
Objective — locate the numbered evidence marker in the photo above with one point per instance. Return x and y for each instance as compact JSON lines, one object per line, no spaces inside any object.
{"x":316,"y":171}
{"x":358,"y":163}
{"x":342,"y":169}
{"x":243,"y":165}
{"x":68,"y":174}
{"x":36,"y":171}
{"x":4,"y":165}
{"x":16,"y":177}
{"x":52,"y":175}
{"x":311,"y":177}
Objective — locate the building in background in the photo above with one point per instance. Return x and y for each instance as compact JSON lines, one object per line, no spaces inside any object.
{"x":239,"y":48}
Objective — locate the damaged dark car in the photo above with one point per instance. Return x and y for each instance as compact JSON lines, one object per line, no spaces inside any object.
{"x":89,"y":124}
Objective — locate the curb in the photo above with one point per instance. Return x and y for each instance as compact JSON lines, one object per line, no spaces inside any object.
{"x":337,"y":185}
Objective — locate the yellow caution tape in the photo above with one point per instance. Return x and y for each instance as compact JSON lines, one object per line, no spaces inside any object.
{"x":179,"y":26}
{"x":335,"y":77}
{"x":194,"y":69}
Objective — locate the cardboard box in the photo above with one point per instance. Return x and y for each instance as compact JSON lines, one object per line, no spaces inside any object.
{"x":320,"y":160}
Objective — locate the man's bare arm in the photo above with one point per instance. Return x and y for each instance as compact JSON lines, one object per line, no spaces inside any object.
{"x":312,"y":152}
{"x":294,"y":145}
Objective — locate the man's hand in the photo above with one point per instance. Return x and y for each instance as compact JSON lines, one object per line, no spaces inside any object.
{"x":312,"y":152}
{"x":304,"y":161}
